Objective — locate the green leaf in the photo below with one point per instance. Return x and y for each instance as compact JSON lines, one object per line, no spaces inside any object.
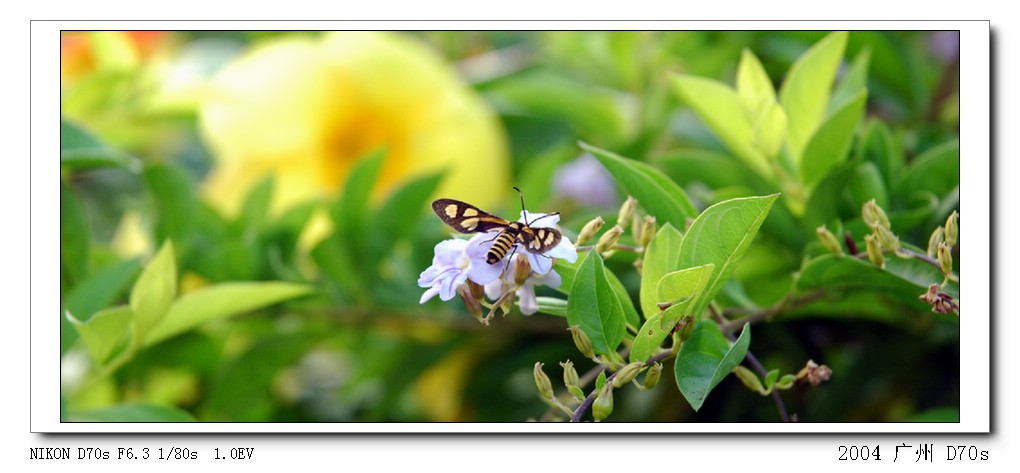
{"x":630,"y":313}
{"x":74,"y":236}
{"x":98,"y":290}
{"x":154,"y":290}
{"x":221,"y":301}
{"x":552,"y":306}
{"x":176,"y":203}
{"x":824,"y":203}
{"x":705,"y":359}
{"x":867,"y":184}
{"x":723,"y":110}
{"x":104,"y":332}
{"x":902,"y":280}
{"x":132,"y":413}
{"x":655,"y":192}
{"x":768,"y":133}
{"x":877,"y":145}
{"x":754,"y":87}
{"x":661,"y":256}
{"x":595,"y":307}
{"x":351,"y":218}
{"x":720,"y":236}
{"x":589,"y":110}
{"x":936,"y":170}
{"x":854,"y":80}
{"x":771,"y":377}
{"x":805,"y":91}
{"x":830,"y":144}
{"x":649,"y":338}
{"x":684,"y":289}
{"x":79,"y":149}
{"x":255,"y":210}
{"x":406,"y":203}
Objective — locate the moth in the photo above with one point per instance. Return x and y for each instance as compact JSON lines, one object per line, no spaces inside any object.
{"x":467,"y":218}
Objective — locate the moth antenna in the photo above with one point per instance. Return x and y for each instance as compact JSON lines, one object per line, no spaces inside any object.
{"x":523,"y":209}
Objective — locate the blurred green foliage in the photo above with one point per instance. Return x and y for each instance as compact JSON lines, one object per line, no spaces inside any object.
{"x":270,"y":329}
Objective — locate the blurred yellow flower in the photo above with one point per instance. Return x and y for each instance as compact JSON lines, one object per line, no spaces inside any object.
{"x":305,"y":109}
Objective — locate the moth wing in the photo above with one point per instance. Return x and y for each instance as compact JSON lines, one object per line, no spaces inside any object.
{"x":467,"y":218}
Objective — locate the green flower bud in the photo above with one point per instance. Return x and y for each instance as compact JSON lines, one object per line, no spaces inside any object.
{"x":589,"y":230}
{"x":626,"y":211}
{"x":627,"y":374}
{"x":609,"y":239}
{"x":582,"y":341}
{"x":952,"y":229}
{"x":886,"y":237}
{"x":874,"y":251}
{"x":873,"y":215}
{"x":936,"y":237}
{"x":545,"y":389}
{"x":603,"y":405}
{"x":749,"y":379}
{"x":570,"y":377}
{"x":647,"y":231}
{"x":829,"y":240}
{"x":472,"y":304}
{"x":652,"y":375}
{"x":945,"y":258}
{"x":786,"y":382}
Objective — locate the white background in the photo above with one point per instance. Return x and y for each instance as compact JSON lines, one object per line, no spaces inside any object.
{"x":791,"y":451}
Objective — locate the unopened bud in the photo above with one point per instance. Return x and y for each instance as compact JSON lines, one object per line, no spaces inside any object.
{"x":652,"y":375}
{"x":873,"y":215}
{"x":570,"y":377}
{"x":786,"y":382}
{"x":608,"y":239}
{"x":938,"y":236}
{"x":582,"y":341}
{"x":952,"y":229}
{"x":603,"y":405}
{"x":626,"y":211}
{"x":814,"y":373}
{"x":647,"y":231}
{"x":888,"y":240}
{"x":627,"y":373}
{"x":945,"y":258}
{"x":829,"y":240}
{"x":543,"y":383}
{"x":522,"y":270}
{"x":472,"y":304}
{"x":589,"y":230}
{"x":749,"y":379}
{"x":685,"y":327}
{"x":874,"y":251}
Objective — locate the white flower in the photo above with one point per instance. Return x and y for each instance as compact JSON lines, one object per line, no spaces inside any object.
{"x":454,"y":263}
{"x":526,"y":291}
{"x":542,"y":263}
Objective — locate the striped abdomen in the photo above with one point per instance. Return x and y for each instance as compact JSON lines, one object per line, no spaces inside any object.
{"x":504,"y":241}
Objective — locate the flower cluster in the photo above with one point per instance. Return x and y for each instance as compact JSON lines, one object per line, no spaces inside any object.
{"x":460,"y":264}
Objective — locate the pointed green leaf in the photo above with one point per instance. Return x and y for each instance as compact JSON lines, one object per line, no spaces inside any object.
{"x":769,"y":131}
{"x":720,"y":236}
{"x":255,"y":210}
{"x":805,"y":91}
{"x":595,"y":307}
{"x":662,"y":256}
{"x":154,"y":290}
{"x":706,"y":358}
{"x":829,"y":145}
{"x":221,"y":301}
{"x":655,"y":192}
{"x":630,"y":313}
{"x":853,"y":81}
{"x":406,"y":203}
{"x":95,"y":292}
{"x":754,"y":86}
{"x":104,"y":332}
{"x":132,"y":413}
{"x":722,"y":109}
{"x":684,"y":289}
{"x":649,"y":338}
